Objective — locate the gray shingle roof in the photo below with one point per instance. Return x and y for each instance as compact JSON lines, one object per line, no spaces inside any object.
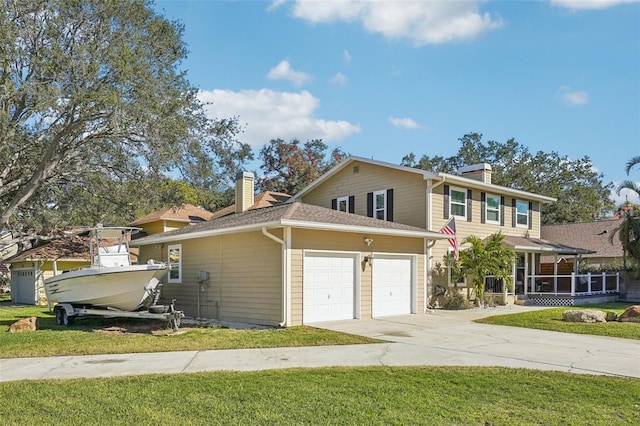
{"x":543,"y":246}
{"x":590,"y":235}
{"x":293,"y":214}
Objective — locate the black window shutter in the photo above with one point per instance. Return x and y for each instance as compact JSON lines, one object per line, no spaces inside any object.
{"x":501,"y":211}
{"x":352,"y":204}
{"x":483,"y":207}
{"x":390,"y":205}
{"x":370,"y":204}
{"x":469,"y":214}
{"x":513,"y":212}
{"x":446,"y":201}
{"x":334,"y":204}
{"x":530,"y":215}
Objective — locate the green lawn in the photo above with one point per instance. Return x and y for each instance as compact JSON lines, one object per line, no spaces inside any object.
{"x":551,"y":319}
{"x":90,"y":336}
{"x":329,"y":396}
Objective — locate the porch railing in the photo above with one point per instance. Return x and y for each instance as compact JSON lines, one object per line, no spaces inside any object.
{"x":573,"y":285}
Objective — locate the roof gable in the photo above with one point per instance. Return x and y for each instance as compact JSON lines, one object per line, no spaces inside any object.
{"x":185,"y":213}
{"x":427,"y":175}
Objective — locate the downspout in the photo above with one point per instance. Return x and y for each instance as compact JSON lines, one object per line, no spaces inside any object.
{"x":429,"y":244}
{"x":286,"y":280}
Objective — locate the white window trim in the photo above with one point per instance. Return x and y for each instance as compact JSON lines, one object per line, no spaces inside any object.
{"x":451,"y":203}
{"x":518,"y":214}
{"x":346,"y":203}
{"x":177,"y":280}
{"x":486,"y":209}
{"x":384,"y":208}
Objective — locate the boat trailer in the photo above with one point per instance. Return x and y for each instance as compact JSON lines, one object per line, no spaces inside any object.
{"x":66,"y":313}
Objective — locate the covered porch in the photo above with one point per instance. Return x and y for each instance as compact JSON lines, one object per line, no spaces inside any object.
{"x":555,"y":283}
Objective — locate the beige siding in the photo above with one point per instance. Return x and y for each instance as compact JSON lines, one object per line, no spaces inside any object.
{"x":153,"y":227}
{"x":245,"y":283}
{"x":409,"y":197}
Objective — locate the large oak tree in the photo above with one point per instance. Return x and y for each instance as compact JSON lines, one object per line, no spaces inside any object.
{"x":582,"y":196}
{"x":91,"y":97}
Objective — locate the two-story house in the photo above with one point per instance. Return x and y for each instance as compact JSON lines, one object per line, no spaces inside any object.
{"x":291,"y":263}
{"x":430,"y":200}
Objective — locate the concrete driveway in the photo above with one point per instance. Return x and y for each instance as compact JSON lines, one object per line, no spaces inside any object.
{"x":452,"y":338}
{"x":444,"y":338}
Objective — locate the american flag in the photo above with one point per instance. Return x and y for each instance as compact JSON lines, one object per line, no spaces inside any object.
{"x":450,"y":229}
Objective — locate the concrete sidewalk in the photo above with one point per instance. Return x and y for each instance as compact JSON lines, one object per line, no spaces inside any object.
{"x":445,"y":338}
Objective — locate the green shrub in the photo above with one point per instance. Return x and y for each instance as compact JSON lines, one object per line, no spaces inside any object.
{"x":454,"y":300}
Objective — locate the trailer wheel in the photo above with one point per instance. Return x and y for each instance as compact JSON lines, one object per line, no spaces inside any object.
{"x":58,"y":312}
{"x":62,"y":318}
{"x":66,"y":319}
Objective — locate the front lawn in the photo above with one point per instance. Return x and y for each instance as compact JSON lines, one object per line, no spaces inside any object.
{"x":329,"y":396}
{"x":551,"y":319}
{"x":89,"y":336}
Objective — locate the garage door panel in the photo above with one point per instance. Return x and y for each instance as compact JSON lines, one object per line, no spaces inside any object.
{"x":328,"y":289}
{"x":392,"y":285}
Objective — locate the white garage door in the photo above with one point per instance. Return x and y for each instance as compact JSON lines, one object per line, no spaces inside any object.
{"x":329,"y":287}
{"x":23,"y":286}
{"x":392,"y":285}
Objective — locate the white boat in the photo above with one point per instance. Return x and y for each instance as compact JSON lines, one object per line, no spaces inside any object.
{"x":111,"y":281}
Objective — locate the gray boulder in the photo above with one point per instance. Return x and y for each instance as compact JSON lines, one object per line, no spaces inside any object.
{"x":584,"y":315}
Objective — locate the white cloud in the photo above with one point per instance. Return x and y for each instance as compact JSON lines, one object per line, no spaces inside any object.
{"x":283,"y":71}
{"x":422,"y":22}
{"x":346,"y":56}
{"x":625,"y":195}
{"x":340,"y":79}
{"x":590,"y":4}
{"x":573,"y":97}
{"x":266,"y":114}
{"x":404,"y":123}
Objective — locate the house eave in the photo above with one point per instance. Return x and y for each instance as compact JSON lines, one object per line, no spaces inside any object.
{"x":284,"y":223}
{"x":499,"y":190}
{"x":364,"y":230}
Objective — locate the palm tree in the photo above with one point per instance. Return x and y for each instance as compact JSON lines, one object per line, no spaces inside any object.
{"x":629,"y":184}
{"x":629,"y":230}
{"x":487,"y":258}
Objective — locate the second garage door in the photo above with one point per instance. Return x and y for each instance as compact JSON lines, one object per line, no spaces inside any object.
{"x":329,"y":286}
{"x":392,"y":285}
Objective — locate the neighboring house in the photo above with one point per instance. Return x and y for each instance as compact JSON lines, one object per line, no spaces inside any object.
{"x":293,"y":263}
{"x":31,"y":267}
{"x":171,"y":218}
{"x":594,"y":236}
{"x":429,"y":200}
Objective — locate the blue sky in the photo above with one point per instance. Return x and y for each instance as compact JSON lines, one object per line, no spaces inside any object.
{"x":382,"y":79}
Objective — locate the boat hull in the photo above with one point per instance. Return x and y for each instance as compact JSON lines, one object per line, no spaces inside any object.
{"x":125,"y":287}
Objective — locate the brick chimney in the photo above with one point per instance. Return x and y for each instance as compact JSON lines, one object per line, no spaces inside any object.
{"x":244,"y":191}
{"x":480,"y":172}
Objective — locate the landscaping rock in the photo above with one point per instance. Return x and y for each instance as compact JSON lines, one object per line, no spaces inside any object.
{"x":25,"y":324}
{"x":587,"y":315}
{"x":611,"y":316}
{"x":631,"y":314}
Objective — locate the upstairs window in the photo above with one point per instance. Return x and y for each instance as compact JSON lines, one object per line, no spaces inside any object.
{"x":492,"y":207}
{"x":380,"y":204}
{"x":458,"y":202}
{"x":522,"y":213}
{"x":343,"y":204}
